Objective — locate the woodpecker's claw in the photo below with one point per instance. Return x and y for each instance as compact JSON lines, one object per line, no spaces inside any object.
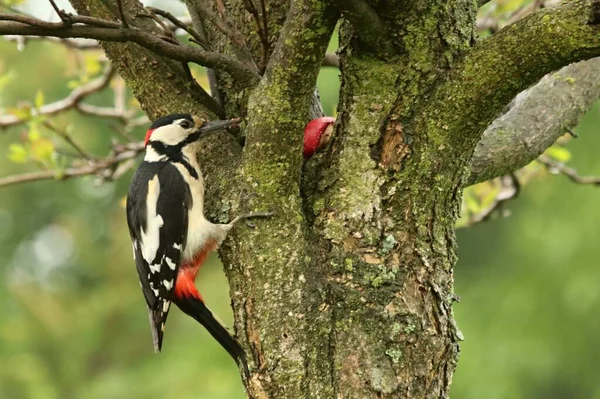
{"x":251,"y":216}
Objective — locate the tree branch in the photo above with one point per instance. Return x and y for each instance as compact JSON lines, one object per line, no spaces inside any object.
{"x":227,"y":27}
{"x":536,"y":119}
{"x":499,"y":67}
{"x":105,"y":168}
{"x":98,"y":29}
{"x":73,"y":100}
{"x":371,"y":30}
{"x":557,"y":167}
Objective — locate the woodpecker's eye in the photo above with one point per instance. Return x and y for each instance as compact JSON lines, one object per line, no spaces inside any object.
{"x":186,"y":124}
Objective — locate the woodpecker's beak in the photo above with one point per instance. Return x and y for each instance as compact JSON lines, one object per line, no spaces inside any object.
{"x":215,"y":126}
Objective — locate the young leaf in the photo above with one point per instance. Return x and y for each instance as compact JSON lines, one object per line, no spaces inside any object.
{"x":39,"y":99}
{"x":42,"y":150}
{"x":17,"y":153}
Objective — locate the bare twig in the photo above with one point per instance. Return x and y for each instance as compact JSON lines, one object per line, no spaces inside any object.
{"x":122,"y":13}
{"x":105,"y":168}
{"x":198,"y":23}
{"x":73,"y":100}
{"x":67,"y":137}
{"x":227,"y":27}
{"x":560,"y":168}
{"x":261,"y":30}
{"x":94,"y":28}
{"x":61,"y":13}
{"x":179,"y":24}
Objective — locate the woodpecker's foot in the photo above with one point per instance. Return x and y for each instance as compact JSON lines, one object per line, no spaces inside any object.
{"x":251,"y":216}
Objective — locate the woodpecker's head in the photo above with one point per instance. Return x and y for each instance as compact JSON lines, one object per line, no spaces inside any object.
{"x":180,"y":130}
{"x":317,"y":134}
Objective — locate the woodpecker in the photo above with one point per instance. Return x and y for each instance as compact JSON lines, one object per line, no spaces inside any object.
{"x":317,"y":134}
{"x":171,"y":238}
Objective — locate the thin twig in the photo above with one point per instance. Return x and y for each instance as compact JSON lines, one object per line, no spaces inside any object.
{"x":560,"y":168}
{"x":261,"y":30}
{"x":198,"y":23}
{"x":67,"y":137}
{"x":225,"y":26}
{"x":122,"y":13}
{"x":61,"y":13}
{"x":178,"y":23}
{"x":73,"y":100}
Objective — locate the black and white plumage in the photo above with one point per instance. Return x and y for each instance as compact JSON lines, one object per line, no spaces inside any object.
{"x":169,"y":232}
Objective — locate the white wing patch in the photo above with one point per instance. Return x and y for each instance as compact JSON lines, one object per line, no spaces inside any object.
{"x":155,"y":268}
{"x":166,"y":305}
{"x":170,"y":263}
{"x":177,"y":246}
{"x":151,"y":237}
{"x":168,"y":284}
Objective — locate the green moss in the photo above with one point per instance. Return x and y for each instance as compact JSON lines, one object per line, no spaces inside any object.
{"x":349,"y":264}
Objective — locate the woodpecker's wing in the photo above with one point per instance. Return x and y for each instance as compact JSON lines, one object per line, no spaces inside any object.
{"x":157,"y":214}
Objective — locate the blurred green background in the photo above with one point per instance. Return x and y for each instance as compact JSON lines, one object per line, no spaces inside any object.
{"x":73,"y":322}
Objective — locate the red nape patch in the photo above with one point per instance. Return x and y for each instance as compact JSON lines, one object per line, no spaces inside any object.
{"x":148,"y":134}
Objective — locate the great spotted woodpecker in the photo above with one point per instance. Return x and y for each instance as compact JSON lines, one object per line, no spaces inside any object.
{"x":171,"y":237}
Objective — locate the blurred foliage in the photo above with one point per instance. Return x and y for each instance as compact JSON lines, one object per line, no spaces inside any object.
{"x":74,"y":324}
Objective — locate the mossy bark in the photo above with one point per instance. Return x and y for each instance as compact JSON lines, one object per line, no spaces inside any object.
{"x":347,"y":291}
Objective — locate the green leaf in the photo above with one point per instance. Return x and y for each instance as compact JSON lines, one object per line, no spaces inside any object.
{"x":21,"y":112}
{"x":17,"y":153}
{"x":92,"y":65}
{"x":39,"y":99}
{"x":558,"y":153}
{"x":42,"y":150}
{"x":34,"y":133}
{"x":73,"y":84}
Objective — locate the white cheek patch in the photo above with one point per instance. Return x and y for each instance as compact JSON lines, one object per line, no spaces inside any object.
{"x":151,"y":235}
{"x":172,"y":134}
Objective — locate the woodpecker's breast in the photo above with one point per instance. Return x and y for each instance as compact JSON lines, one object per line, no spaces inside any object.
{"x":199,"y":230}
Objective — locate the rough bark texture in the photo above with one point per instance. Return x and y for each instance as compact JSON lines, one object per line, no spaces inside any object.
{"x":347,"y":291}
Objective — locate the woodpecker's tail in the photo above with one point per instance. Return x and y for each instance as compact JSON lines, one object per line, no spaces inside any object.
{"x":195,"y":308}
